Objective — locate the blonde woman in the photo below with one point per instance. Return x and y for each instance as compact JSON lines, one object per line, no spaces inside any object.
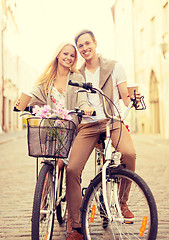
{"x":52,"y":85}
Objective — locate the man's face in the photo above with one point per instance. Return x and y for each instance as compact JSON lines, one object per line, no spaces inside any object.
{"x":86,"y":46}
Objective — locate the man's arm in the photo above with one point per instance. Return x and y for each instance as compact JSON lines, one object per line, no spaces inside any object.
{"x":122,"y":87}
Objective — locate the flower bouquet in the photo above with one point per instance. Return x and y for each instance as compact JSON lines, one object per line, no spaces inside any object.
{"x":54,"y":133}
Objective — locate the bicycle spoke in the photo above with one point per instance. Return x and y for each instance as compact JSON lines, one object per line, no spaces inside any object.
{"x":119,"y":228}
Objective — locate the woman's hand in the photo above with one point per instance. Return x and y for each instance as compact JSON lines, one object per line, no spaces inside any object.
{"x":17,"y":102}
{"x":89,"y":111}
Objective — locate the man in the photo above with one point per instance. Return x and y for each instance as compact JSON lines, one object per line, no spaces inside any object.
{"x":110,"y":77}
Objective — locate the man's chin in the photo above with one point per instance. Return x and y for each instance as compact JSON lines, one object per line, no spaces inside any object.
{"x":87,"y":58}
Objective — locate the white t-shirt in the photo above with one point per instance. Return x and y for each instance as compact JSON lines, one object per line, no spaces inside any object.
{"x":118,"y":76}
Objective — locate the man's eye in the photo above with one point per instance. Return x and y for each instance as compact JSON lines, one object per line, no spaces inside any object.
{"x":72,"y":55}
{"x":65,"y":53}
{"x":80,"y":46}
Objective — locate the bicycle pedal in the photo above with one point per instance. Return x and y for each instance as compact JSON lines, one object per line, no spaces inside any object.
{"x":128,"y":222}
{"x":105,"y":222}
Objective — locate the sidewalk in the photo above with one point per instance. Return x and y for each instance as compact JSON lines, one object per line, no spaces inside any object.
{"x":16,"y":167}
{"x":8,"y":137}
{"x":151,"y":139}
{"x":154,"y":139}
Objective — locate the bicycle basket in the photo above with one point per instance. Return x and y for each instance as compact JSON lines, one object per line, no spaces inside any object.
{"x":50,"y":137}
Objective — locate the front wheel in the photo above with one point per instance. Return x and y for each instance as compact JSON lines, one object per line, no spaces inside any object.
{"x":61,"y":197}
{"x":43,"y":205}
{"x":126,"y":186}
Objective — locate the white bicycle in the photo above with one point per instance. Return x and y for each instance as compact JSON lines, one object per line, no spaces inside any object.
{"x":101,"y":212}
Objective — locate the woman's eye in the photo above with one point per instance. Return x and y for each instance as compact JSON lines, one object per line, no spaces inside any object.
{"x":72,"y":56}
{"x":65,"y":53}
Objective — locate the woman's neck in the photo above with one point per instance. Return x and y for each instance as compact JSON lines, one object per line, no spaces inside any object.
{"x":62,"y":72}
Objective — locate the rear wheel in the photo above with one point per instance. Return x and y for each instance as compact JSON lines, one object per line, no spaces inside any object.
{"x":95,"y":222}
{"x":43,"y":205}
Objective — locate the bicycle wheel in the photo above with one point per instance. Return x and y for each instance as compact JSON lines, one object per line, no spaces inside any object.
{"x":95,"y":223}
{"x":61,"y":197}
{"x":43,"y":205}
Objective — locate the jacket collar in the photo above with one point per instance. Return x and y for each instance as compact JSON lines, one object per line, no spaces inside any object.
{"x":106,"y":68}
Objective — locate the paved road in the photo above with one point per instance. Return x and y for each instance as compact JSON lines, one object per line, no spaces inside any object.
{"x":17,"y":181}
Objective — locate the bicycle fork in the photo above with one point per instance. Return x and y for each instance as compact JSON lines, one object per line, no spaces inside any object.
{"x":105,"y":186}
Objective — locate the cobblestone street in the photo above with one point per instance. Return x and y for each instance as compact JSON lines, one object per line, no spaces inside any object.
{"x":18,"y":177}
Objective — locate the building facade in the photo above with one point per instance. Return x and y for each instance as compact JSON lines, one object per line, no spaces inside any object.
{"x":15,"y":73}
{"x":9,"y":66}
{"x":141,"y":31}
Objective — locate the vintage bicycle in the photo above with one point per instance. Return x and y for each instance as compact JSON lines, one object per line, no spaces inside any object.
{"x":49,"y":139}
{"x":101,"y":211}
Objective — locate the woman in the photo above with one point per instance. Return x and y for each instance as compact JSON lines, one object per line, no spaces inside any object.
{"x":52,"y":87}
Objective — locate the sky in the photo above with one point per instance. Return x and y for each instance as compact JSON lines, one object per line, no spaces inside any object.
{"x":44,"y":24}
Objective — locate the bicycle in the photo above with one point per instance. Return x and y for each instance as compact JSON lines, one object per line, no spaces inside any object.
{"x":50,"y":139}
{"x":101,"y":212}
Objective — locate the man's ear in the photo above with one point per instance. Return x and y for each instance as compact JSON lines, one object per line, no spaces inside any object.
{"x":95,"y":42}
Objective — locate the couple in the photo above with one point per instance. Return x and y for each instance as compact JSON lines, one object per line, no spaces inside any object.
{"x":52,"y":86}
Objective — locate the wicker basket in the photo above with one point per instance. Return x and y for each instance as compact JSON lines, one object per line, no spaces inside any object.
{"x":50,"y":137}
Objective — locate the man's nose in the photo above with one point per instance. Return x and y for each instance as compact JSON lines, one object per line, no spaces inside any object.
{"x":85,"y":48}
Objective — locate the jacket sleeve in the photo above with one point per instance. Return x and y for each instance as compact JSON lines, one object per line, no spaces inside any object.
{"x":82,"y":100}
{"x":38,"y":96}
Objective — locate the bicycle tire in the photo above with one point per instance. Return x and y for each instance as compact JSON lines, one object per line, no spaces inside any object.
{"x":141,"y":202}
{"x":61,"y":194}
{"x":43,"y":205}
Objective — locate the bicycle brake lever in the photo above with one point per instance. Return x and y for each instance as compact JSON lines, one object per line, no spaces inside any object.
{"x":138,"y":107}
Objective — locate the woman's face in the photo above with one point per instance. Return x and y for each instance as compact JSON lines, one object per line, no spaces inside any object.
{"x":67,"y":56}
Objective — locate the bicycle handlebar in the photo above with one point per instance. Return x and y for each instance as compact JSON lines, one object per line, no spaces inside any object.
{"x":89,"y":86}
{"x":78,"y":112}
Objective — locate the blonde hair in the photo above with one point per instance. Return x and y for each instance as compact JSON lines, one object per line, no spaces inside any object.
{"x":51,"y":70}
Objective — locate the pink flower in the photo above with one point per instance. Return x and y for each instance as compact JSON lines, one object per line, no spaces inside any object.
{"x":42,"y":112}
{"x":46,"y":112}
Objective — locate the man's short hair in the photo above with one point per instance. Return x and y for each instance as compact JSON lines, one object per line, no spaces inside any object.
{"x":84,"y":32}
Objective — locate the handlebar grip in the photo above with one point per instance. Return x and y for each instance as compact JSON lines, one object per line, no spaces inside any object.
{"x":27,"y":109}
{"x":73,"y":83}
{"x":16,"y":110}
{"x":87,"y":86}
{"x":94,"y":113}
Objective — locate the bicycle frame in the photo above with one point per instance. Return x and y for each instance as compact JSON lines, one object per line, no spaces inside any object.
{"x":108,"y":159}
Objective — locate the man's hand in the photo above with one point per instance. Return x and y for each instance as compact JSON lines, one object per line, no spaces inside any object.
{"x":89,"y":111}
{"x":138,"y":95}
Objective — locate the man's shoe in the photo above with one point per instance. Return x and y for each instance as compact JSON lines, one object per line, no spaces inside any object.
{"x":74,"y":235}
{"x":127,"y":214}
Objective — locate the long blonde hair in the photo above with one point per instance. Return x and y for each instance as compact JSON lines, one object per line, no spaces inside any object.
{"x":51,"y":70}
